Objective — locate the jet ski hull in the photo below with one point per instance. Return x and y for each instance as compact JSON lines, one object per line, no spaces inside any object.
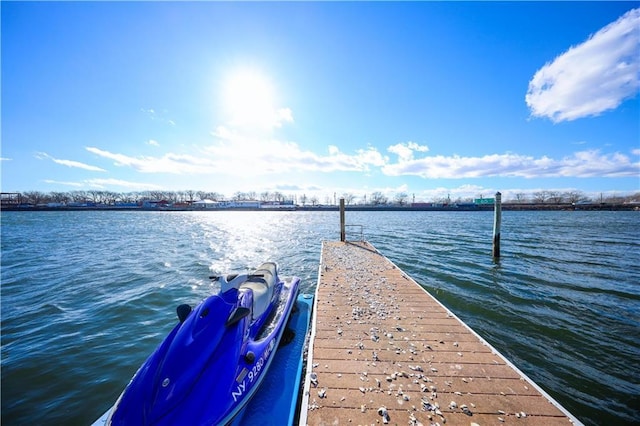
{"x":212,"y":362}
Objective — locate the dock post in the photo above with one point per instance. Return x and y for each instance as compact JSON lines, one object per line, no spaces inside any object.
{"x":497,"y":219}
{"x":342,"y":227}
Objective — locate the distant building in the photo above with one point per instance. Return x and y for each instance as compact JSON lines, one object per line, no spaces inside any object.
{"x":154,"y":204}
{"x":248,"y":204}
{"x":245,"y":204}
{"x":10,"y":199}
{"x":206,"y":204}
{"x":278,"y":205}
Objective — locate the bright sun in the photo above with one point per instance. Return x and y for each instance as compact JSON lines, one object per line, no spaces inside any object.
{"x":249,"y":99}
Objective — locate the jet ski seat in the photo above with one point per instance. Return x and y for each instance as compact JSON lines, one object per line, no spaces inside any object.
{"x":262,"y":287}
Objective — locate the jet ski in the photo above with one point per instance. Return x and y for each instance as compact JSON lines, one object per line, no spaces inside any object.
{"x":213,"y":361}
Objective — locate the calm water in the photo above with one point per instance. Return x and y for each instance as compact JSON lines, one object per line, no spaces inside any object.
{"x":86,"y":296}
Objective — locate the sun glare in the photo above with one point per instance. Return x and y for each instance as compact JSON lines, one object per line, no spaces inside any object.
{"x":248,"y":99}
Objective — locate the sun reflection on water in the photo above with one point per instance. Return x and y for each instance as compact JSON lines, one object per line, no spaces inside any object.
{"x":239,"y":241}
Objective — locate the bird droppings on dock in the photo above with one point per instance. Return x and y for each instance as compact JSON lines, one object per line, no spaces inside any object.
{"x":383,"y":341}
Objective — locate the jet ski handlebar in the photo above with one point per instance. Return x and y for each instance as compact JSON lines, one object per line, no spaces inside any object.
{"x":230,"y":281}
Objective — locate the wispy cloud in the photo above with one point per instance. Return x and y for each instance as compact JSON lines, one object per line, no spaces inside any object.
{"x":150,"y":112}
{"x":5,"y":159}
{"x":108,"y":183}
{"x":158,"y":116}
{"x":593,"y":77}
{"x":239,"y":155}
{"x":273,"y":156}
{"x":235,"y":154}
{"x":153,"y":142}
{"x":169,"y":163}
{"x":68,"y":163}
{"x":590,"y":163}
{"x":64,"y":183}
{"x":238,"y":151}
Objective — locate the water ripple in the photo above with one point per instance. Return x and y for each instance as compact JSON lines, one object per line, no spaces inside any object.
{"x":86,"y":296}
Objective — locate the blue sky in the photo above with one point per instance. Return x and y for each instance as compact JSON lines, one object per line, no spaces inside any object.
{"x":426,"y":98}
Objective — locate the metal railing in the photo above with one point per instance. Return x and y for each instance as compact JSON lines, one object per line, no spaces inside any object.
{"x":354,"y":232}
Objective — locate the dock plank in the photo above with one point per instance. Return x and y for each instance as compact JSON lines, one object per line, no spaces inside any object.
{"x":380,"y":340}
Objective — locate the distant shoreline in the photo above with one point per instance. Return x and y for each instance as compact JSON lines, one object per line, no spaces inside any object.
{"x":453,"y":208}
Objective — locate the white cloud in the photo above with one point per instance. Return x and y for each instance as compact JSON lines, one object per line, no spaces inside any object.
{"x":69,"y":163}
{"x":589,"y":163}
{"x":236,"y":155}
{"x":262,"y":155}
{"x":65,"y":183}
{"x":5,"y":159}
{"x":169,"y":163}
{"x":153,"y":142}
{"x":107,"y":183}
{"x":370,"y":156}
{"x":593,"y":77}
{"x":405,"y":150}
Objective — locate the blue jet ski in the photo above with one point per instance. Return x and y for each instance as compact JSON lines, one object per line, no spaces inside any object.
{"x":214,"y":359}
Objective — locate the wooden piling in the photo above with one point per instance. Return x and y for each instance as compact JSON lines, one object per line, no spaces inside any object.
{"x":342,"y":224}
{"x":497,"y":220}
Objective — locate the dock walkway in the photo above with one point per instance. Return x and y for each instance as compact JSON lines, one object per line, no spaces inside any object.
{"x":381,"y":342}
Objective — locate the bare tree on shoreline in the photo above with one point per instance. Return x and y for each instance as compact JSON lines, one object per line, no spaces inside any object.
{"x":376,"y":198}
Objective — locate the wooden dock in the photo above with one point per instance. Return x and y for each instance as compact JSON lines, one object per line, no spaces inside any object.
{"x":380,"y":342}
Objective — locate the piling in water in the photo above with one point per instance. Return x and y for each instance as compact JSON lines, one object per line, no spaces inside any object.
{"x":497,"y":219}
{"x":342,"y":227}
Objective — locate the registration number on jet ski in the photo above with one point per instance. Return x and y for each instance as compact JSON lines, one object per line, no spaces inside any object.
{"x":251,"y":374}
